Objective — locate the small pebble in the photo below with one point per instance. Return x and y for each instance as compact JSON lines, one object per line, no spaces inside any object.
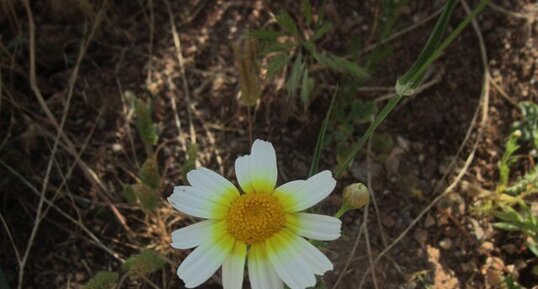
{"x":485,"y":248}
{"x":421,"y":235}
{"x":429,"y":221}
{"x":446,"y":243}
{"x":388,"y":221}
{"x":509,"y":248}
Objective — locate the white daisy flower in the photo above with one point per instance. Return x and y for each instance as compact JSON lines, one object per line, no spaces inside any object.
{"x":263,"y":225}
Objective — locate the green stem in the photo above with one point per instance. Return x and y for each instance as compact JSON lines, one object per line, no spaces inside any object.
{"x":369,"y":132}
{"x":343,"y":209}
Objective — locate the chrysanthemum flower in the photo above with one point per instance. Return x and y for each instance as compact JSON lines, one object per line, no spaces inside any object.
{"x":263,"y":225}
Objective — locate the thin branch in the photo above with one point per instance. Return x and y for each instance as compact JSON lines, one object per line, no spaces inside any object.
{"x":8,"y":231}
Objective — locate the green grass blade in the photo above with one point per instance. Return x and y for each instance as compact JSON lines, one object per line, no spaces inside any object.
{"x":321,"y":137}
{"x":406,"y":85}
{"x":432,"y":43}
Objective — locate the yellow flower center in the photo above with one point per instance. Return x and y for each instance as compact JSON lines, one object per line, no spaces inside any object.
{"x":255,"y":217}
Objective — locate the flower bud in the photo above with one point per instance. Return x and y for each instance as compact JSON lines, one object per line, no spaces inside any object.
{"x":356,"y":196}
{"x":517,"y":133}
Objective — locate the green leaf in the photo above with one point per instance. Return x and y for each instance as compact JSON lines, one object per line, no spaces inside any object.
{"x":147,"y":196}
{"x":148,"y":261}
{"x":307,"y":85}
{"x":529,"y":123}
{"x":296,"y":74}
{"x":507,"y":159}
{"x":527,"y":184}
{"x":373,"y":126}
{"x":265,"y":34}
{"x":309,"y":45}
{"x":306,"y":8}
{"x":382,"y":143}
{"x":276,"y":63}
{"x":511,"y":283}
{"x":129,"y":193}
{"x":506,"y":226}
{"x":149,"y":173}
{"x":190,"y":162}
{"x":508,"y":214}
{"x":287,"y":23}
{"x":533,"y":247}
{"x":322,"y":30}
{"x":276,"y":47}
{"x":362,"y":112}
{"x":103,"y":280}
{"x":144,"y":123}
{"x":341,"y":65}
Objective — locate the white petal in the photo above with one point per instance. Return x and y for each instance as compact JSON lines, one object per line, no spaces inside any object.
{"x":261,"y":272}
{"x":214,"y":185}
{"x":263,"y":166}
{"x":234,"y":267}
{"x":242,"y":172}
{"x":299,"y":195}
{"x":192,"y":235}
{"x":195,"y":202}
{"x":314,"y":258}
{"x":204,"y":261}
{"x":314,"y":226}
{"x":289,"y":265}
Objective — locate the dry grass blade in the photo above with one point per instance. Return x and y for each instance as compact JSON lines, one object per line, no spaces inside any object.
{"x":177,"y":44}
{"x":8,"y":232}
{"x":79,"y":223}
{"x":88,"y":172}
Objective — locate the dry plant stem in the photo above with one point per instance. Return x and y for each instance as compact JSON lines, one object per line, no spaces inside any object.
{"x":504,"y":94}
{"x":121,"y":281}
{"x":249,"y":125}
{"x":180,"y":59}
{"x":151,"y":37}
{"x":8,"y":232}
{"x":400,"y":33}
{"x":149,"y":282}
{"x":527,"y":16}
{"x":177,"y":122}
{"x":128,"y":112}
{"x":366,"y":235}
{"x":484,"y":104}
{"x":67,"y":176}
{"x":88,"y":172}
{"x":211,"y":140}
{"x":353,"y":250}
{"x":371,"y":190}
{"x":45,"y":183}
{"x":64,"y":214}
